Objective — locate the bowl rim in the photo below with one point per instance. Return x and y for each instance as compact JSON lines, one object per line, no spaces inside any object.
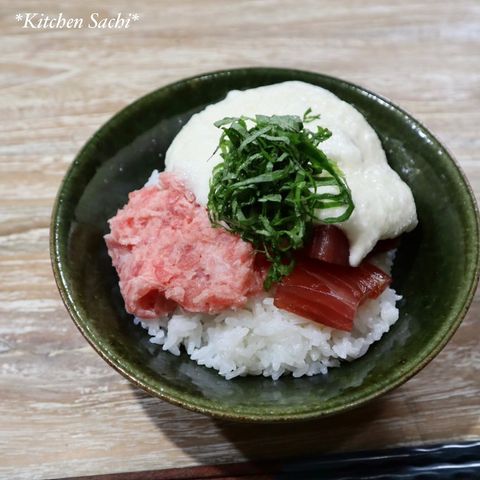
{"x":264,"y":417}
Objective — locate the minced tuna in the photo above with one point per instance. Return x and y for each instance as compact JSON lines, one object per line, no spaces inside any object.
{"x":167,"y":253}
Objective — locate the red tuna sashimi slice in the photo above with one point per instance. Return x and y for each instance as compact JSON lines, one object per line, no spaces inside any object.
{"x":327,"y":293}
{"x":166,"y":253}
{"x":329,"y":244}
{"x":369,"y":280}
{"x":310,"y":294}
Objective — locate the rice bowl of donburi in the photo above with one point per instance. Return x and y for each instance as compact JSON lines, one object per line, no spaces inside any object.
{"x":269,"y":231}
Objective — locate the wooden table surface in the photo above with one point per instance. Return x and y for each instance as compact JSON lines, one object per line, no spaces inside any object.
{"x":63,"y":411}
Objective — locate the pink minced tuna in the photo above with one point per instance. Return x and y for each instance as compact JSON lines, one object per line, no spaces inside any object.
{"x":166,"y":253}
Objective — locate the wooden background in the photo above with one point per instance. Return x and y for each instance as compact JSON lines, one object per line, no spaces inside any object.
{"x":63,"y":411}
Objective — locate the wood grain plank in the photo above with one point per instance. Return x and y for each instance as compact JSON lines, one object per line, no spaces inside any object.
{"x":63,"y":411}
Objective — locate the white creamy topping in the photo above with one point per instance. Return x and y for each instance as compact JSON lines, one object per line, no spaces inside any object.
{"x":384,"y":205}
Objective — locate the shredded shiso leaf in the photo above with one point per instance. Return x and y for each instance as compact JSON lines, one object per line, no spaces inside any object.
{"x":270,"y":183}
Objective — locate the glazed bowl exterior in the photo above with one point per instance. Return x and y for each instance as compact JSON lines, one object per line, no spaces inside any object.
{"x":436,"y":269}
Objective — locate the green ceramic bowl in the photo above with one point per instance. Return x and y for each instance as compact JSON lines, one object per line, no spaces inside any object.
{"x":436,"y":269}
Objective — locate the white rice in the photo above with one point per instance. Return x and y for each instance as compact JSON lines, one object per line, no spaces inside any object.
{"x":261,"y":339}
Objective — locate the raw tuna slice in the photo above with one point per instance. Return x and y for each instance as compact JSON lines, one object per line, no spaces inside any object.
{"x":166,"y":253}
{"x":329,"y":244}
{"x":327,"y":293}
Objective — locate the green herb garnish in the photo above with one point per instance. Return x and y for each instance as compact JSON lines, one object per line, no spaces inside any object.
{"x":272,"y":179}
